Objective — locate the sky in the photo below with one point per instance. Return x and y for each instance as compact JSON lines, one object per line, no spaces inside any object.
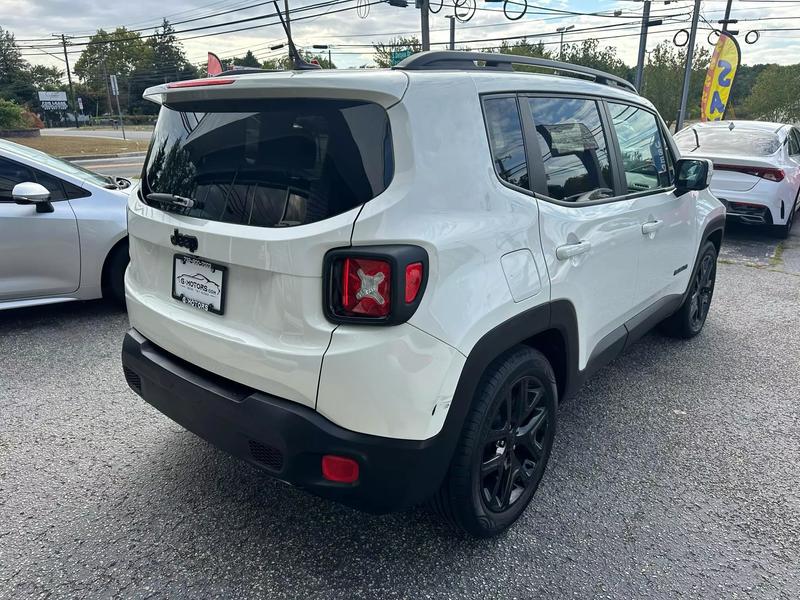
{"x":31,"y":21}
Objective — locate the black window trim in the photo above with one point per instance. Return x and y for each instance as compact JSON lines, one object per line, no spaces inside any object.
{"x":669,"y":147}
{"x":611,"y":148}
{"x":35,"y":173}
{"x":612,"y":142}
{"x":525,"y":140}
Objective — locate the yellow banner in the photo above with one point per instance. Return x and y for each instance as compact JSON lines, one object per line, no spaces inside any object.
{"x":719,"y":78}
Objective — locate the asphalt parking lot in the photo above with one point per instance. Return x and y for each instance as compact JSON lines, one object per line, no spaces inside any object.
{"x":676,"y":474}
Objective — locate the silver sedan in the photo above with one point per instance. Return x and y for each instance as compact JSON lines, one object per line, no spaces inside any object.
{"x":63,"y":230}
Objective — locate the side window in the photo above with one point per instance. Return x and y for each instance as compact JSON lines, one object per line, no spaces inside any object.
{"x":12,"y":173}
{"x":794,"y":142}
{"x":573,"y":147}
{"x":73,"y":191}
{"x":647,"y":163}
{"x":53,"y":185}
{"x":506,"y":140}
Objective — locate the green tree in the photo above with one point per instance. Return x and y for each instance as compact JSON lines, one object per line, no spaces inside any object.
{"x":383,"y":52}
{"x":663,"y":79}
{"x":120,"y":53}
{"x":285,"y":63}
{"x":774,"y":96}
{"x":14,"y":82}
{"x":248,"y":60}
{"x":589,"y":53}
{"x":163,"y":61}
{"x":11,"y":115}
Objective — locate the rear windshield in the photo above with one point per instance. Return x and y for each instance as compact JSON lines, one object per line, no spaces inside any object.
{"x":723,"y":140}
{"x":268,"y":163}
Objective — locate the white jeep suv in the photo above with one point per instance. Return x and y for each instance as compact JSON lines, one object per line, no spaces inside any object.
{"x":379,"y":284}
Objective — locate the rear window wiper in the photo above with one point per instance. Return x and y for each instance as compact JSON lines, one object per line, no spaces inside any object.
{"x":172,"y":199}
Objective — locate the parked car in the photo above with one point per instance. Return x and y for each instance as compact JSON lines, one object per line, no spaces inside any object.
{"x":378,"y":285}
{"x":64,"y":235}
{"x":756,"y":168}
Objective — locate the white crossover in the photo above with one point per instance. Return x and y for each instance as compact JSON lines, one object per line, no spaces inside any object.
{"x":377,"y":285}
{"x":63,"y":233}
{"x":756,"y":168}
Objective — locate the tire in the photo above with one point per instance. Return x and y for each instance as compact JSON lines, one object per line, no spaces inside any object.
{"x":487,"y":486}
{"x":690,"y":318}
{"x":114,"y":274}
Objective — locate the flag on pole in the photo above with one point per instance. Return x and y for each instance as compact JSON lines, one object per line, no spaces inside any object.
{"x":719,"y":78}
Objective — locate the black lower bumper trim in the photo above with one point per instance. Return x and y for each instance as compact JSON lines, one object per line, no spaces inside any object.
{"x":286,"y":439}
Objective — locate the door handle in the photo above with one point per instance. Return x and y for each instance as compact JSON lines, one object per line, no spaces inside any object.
{"x":651,"y":227}
{"x":567,"y":251}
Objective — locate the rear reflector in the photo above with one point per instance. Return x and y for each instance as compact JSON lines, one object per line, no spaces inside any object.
{"x":199,"y":82}
{"x":339,"y":469}
{"x":768,"y":173}
{"x":366,"y":287}
{"x":413,"y":281}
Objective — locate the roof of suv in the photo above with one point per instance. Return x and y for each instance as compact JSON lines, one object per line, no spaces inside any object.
{"x":389,"y":85}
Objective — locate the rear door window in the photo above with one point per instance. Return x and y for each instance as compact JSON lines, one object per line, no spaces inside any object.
{"x":506,"y":140}
{"x":573,"y":147}
{"x":269,"y":163}
{"x":645,"y":159}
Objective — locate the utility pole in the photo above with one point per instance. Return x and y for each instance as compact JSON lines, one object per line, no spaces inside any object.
{"x":108,"y":90}
{"x":424,"y":13}
{"x":642,"y":45}
{"x":687,"y":73}
{"x":69,"y":80}
{"x":727,"y":16}
{"x":562,"y":30}
{"x":452,"y":19}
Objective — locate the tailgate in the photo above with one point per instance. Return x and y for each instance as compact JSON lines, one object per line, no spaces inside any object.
{"x":240,"y":200}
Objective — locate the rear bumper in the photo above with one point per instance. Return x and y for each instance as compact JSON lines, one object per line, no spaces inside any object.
{"x":285,"y":438}
{"x":760,"y":205}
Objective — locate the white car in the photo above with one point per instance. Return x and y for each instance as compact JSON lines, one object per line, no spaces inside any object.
{"x":756,"y":168}
{"x":63,"y":234}
{"x":379,"y":284}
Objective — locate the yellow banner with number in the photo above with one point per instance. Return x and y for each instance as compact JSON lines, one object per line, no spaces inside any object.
{"x":719,"y":78}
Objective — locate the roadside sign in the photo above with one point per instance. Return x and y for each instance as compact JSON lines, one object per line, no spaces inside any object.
{"x":53,"y":100}
{"x":80,"y":103}
{"x":114,"y":86}
{"x":400,"y":55}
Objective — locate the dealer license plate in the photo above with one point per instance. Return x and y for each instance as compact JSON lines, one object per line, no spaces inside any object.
{"x":199,"y":283}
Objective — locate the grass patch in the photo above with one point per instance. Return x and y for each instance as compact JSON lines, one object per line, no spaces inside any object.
{"x":81,"y":146}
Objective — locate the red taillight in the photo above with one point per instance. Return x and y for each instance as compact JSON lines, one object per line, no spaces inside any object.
{"x":413,"y":281}
{"x":200,"y":82}
{"x":768,"y":173}
{"x":339,"y":469}
{"x":366,"y":287}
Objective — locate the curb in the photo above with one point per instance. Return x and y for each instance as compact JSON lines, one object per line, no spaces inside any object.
{"x":102,"y":156}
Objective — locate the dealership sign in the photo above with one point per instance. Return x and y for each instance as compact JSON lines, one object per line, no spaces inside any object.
{"x":53,"y":100}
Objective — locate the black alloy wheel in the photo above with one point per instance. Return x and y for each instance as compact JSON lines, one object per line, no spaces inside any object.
{"x":514,"y":446}
{"x":504,"y":446}
{"x":702,"y":292}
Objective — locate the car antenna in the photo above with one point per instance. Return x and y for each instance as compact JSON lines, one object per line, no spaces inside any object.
{"x":298,"y":63}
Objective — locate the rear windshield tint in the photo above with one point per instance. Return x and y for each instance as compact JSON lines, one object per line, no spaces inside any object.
{"x":268,"y":163}
{"x":723,"y":140}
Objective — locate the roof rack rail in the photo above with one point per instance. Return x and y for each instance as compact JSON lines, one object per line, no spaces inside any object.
{"x":450,"y":59}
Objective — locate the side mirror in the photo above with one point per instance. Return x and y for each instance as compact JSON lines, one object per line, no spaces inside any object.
{"x":693,"y":175}
{"x":28,"y":192}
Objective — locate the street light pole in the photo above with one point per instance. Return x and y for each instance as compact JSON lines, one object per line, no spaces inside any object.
{"x":562,"y":30}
